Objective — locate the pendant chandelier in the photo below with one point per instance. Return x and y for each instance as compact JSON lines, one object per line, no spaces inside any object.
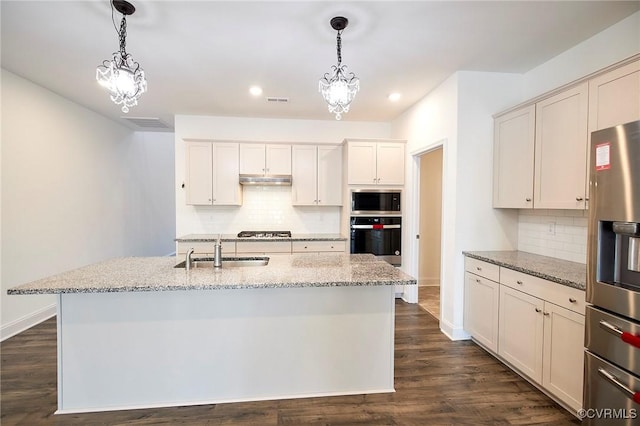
{"x":122,"y":76}
{"x":337,"y":88}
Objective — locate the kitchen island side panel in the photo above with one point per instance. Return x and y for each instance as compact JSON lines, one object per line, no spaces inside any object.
{"x":150,"y":349}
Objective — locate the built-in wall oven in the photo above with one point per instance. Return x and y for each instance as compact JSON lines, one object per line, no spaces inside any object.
{"x":612,"y":336}
{"x":376,"y":224}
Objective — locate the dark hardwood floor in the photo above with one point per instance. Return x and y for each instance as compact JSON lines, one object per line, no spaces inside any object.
{"x":437,"y":381}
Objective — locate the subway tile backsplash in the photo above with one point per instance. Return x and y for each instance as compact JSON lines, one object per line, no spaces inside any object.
{"x":555,"y":233}
{"x":264,"y":208}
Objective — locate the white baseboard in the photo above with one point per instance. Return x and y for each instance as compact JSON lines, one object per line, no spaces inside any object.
{"x":453,"y":333}
{"x":27,"y":321}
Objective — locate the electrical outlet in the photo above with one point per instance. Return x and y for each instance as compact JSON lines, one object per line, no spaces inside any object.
{"x":551,"y":228}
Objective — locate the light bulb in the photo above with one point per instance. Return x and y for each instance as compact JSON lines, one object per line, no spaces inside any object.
{"x":125,"y":82}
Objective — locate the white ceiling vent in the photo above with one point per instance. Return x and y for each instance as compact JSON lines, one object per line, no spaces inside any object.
{"x":147,"y":122}
{"x":277,"y":100}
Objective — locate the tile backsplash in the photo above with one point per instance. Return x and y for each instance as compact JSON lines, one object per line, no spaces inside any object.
{"x":263,"y":208}
{"x":555,"y":233}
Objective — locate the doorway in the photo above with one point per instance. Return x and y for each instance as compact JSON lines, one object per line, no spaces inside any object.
{"x":430,"y":221}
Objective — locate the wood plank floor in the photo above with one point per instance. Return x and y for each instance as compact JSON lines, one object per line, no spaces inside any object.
{"x":438,"y":382}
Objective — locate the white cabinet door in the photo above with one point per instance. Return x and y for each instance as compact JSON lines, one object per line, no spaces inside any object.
{"x":614,"y":97}
{"x":226,"y":168}
{"x":390,"y":163}
{"x":304,"y":175}
{"x":561,"y":150}
{"x":199,"y":180}
{"x":563,"y":354}
{"x":329,"y":175}
{"x":252,"y":159}
{"x":520,"y":331}
{"x":361,"y":167}
{"x":278,"y":159}
{"x":481,"y":298}
{"x":513,"y":152}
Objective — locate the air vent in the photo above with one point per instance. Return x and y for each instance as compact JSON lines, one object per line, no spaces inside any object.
{"x":147,"y":122}
{"x":277,"y":100}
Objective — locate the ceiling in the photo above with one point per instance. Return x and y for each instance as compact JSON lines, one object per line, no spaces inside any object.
{"x":201,"y":57}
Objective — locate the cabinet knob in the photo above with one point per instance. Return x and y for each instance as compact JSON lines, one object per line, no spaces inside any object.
{"x":478,"y":268}
{"x":519,"y":282}
{"x":209,"y":199}
{"x":572,"y":300}
{"x":538,"y":310}
{"x":306,"y":247}
{"x":579,"y":198}
{"x":528,"y":200}
{"x":477,"y":280}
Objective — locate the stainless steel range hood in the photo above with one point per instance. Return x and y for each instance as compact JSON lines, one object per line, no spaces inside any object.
{"x":271,"y":180}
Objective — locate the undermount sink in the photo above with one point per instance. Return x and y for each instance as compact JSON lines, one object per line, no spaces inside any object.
{"x":227,"y":262}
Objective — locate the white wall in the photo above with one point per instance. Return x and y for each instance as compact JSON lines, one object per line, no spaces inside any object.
{"x":611,"y":45}
{"x":77,"y":188}
{"x":267,"y":208}
{"x":458,"y":115}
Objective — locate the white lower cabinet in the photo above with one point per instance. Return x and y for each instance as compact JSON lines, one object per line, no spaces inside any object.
{"x":263,"y":247}
{"x":318,"y":246}
{"x":563,"y":357}
{"x":521,"y":331}
{"x":534,"y":325}
{"x":481,"y":297}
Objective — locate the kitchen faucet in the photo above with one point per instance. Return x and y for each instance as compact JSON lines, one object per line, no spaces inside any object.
{"x":187,"y":261}
{"x":217,"y":253}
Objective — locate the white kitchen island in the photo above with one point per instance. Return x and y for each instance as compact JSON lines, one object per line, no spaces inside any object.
{"x":139,"y":333}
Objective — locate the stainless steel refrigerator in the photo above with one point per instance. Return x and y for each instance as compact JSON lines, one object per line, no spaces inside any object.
{"x":612,"y":336}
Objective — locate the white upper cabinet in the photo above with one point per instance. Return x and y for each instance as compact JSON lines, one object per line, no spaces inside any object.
{"x":513,"y":153}
{"x":260,"y":159}
{"x":375,"y":163}
{"x":330,"y":175}
{"x":226,"y":168}
{"x":316,"y":175}
{"x":614,"y":97}
{"x":561,"y":150}
{"x":199,"y":173}
{"x":212,"y":174}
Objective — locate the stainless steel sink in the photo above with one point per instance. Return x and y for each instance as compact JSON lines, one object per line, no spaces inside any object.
{"x":227,"y":262}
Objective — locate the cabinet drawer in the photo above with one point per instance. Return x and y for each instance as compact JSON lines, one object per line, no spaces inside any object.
{"x":561,"y":295}
{"x":263,"y":247}
{"x":205,"y":247}
{"x":318,"y":246}
{"x":484,"y":269}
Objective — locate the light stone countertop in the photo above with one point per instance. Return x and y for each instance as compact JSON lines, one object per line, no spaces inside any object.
{"x":133,"y":274}
{"x":234,"y":237}
{"x":571,"y":274}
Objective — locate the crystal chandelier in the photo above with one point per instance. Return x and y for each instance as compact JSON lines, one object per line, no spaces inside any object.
{"x":337,"y":88}
{"x":122,"y":76}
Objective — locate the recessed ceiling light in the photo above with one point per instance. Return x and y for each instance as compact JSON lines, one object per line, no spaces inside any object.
{"x":394,"y":96}
{"x":255,"y":90}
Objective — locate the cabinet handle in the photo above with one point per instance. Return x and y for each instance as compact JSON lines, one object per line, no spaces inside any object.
{"x":519,"y":282}
{"x":319,"y":201}
{"x":477,"y":280}
{"x":306,"y":247}
{"x":209,"y":199}
{"x":572,"y":300}
{"x":528,"y":200}
{"x":546,"y":314}
{"x":478,"y":268}
{"x":378,"y":180}
{"x":579,"y":198}
{"x":538,"y":310}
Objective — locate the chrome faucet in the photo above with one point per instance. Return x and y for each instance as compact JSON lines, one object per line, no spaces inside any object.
{"x":187,"y":261}
{"x":217,"y":253}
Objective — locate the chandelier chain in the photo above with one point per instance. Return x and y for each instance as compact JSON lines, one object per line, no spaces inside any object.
{"x":339,"y":47}
{"x":123,"y":36}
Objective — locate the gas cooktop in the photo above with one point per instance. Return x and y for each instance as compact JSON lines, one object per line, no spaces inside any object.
{"x":264,"y":234}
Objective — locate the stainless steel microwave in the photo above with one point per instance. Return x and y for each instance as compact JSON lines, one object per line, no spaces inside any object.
{"x":375,"y":202}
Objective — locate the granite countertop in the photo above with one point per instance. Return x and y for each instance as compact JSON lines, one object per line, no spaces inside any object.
{"x":234,"y":237}
{"x":563,"y":272}
{"x":131,"y":274}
